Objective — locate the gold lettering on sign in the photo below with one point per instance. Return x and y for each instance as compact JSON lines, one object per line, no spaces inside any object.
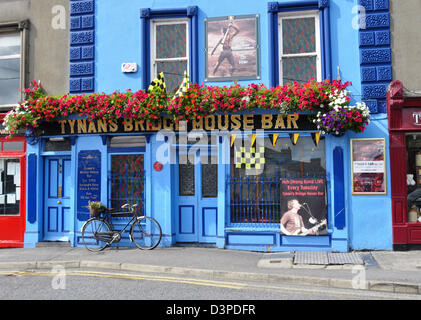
{"x":128,"y":125}
{"x":167,"y":124}
{"x":81,"y":126}
{"x":292,"y":118}
{"x":139,"y":124}
{"x":226,"y":122}
{"x":72,"y":126}
{"x":62,"y":123}
{"x":236,"y":124}
{"x":210,"y":126}
{"x":102,"y":126}
{"x":197,"y":123}
{"x":113,"y":126}
{"x":248,"y":121}
{"x":208,"y":123}
{"x":267,"y":121}
{"x":92,"y":127}
{"x":280,"y":122}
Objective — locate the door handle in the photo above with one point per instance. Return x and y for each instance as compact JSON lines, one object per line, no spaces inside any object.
{"x":59,"y":202}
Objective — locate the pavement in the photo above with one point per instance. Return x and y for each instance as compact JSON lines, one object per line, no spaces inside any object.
{"x":389,"y":271}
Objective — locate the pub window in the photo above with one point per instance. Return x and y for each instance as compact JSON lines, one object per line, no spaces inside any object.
{"x":58,"y":144}
{"x":413,"y":177}
{"x":299,"y":46}
{"x":10,"y":186}
{"x":128,"y":142}
{"x":170,"y":51}
{"x":257,"y":173}
{"x":126,"y":180}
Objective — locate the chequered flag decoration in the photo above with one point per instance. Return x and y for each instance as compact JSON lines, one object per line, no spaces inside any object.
{"x":183,"y":87}
{"x":158,"y":83}
{"x":251,"y":158}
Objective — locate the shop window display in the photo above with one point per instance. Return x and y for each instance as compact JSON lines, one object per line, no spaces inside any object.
{"x":413,"y":181}
{"x":265,"y":177}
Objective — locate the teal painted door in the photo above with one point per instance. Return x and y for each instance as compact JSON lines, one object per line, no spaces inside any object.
{"x":197,"y":192}
{"x":57,"y":213}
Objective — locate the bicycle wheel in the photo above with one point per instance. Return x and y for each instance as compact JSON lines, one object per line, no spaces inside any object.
{"x":96,"y":234}
{"x":146,"y":233}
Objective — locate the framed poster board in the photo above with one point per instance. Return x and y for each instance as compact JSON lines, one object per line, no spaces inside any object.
{"x":232,"y":48}
{"x":368,"y":166}
{"x":89,"y":181}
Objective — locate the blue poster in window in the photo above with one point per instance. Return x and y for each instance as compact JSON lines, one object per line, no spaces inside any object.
{"x":88,"y":181}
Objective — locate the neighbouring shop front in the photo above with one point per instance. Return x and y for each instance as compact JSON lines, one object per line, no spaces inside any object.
{"x":224,"y":180}
{"x":12,"y":190}
{"x":404,"y":113}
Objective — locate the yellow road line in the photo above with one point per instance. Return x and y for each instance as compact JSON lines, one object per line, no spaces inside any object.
{"x":221,"y":284}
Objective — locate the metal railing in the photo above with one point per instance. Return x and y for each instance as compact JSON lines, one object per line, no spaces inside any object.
{"x":256,"y":201}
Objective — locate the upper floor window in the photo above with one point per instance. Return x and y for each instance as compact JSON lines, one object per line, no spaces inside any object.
{"x":10,"y":60}
{"x":299,"y":47}
{"x":170,"y":51}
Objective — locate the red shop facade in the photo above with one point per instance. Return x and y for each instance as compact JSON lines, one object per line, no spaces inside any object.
{"x":404,"y":117}
{"x":12,"y":189}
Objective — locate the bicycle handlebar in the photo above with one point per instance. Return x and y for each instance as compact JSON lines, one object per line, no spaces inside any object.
{"x":127,"y":205}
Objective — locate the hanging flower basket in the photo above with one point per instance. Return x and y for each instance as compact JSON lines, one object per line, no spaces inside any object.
{"x":95,"y":208}
{"x":326,"y":103}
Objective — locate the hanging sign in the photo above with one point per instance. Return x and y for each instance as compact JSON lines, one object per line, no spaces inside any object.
{"x":232,"y":122}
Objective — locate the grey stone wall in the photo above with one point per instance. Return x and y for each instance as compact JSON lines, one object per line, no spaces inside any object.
{"x":47,"y":45}
{"x":405,"y":26}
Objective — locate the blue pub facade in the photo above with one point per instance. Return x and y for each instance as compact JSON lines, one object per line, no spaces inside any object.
{"x":194,"y":187}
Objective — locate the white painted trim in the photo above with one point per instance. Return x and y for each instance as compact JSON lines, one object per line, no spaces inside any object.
{"x":154,"y":24}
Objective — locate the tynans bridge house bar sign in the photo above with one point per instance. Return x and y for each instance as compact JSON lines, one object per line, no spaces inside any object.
{"x":277,"y":122}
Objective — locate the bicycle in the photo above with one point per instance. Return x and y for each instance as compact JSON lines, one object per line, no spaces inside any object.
{"x":98,"y":232}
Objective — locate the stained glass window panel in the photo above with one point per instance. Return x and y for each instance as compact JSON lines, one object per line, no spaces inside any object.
{"x":298,"y":35}
{"x":209,"y":177}
{"x":186,"y":177}
{"x":300,"y":69}
{"x":170,"y":41}
{"x":127,"y":180}
{"x":173,"y":72}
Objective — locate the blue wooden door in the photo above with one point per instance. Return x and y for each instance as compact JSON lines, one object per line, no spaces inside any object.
{"x":57,"y":213}
{"x":197,"y":198}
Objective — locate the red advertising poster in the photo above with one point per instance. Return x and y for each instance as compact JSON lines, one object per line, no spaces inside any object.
{"x":304,"y":206}
{"x":368,"y":166}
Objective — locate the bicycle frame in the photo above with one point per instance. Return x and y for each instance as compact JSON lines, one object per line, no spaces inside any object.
{"x":107,"y":218}
{"x":114,"y":236}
